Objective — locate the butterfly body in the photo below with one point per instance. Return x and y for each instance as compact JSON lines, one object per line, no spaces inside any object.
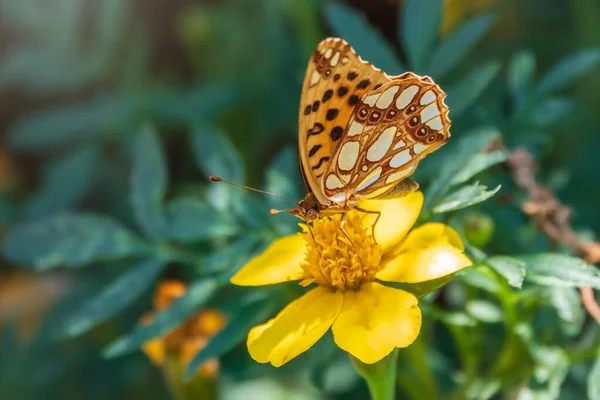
{"x":361,"y":132}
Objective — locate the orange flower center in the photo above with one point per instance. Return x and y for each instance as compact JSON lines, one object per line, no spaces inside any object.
{"x":339,"y":261}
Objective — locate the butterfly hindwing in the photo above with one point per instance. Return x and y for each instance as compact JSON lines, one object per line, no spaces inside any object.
{"x":336,"y":79}
{"x":390,"y":130}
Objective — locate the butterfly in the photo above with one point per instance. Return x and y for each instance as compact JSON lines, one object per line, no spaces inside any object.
{"x":362,"y":133}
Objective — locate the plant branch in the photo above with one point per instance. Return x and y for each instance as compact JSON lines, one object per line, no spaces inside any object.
{"x":551,"y":216}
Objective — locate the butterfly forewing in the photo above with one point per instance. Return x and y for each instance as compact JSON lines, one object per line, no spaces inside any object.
{"x":389,"y":131}
{"x":336,"y":79}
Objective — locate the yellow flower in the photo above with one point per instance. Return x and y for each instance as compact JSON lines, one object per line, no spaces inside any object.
{"x":368,"y":319}
{"x":184,"y":342}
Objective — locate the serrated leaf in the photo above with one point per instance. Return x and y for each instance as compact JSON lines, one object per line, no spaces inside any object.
{"x":232,"y":335}
{"x":553,"y":269}
{"x":484,"y":311}
{"x":366,"y":40}
{"x":521,"y":70}
{"x":71,"y":240}
{"x":191,"y":220}
{"x":593,"y":380}
{"x":478,"y":163}
{"x":510,"y":268}
{"x":459,"y":155}
{"x":420,"y":26}
{"x":149,"y":183}
{"x":569,"y":69}
{"x":115,"y":297}
{"x":78,"y":169}
{"x":48,"y":129}
{"x":567,"y":303}
{"x":198,"y":295}
{"x":458,"y":45}
{"x":465,"y":197}
{"x":215,"y":154}
{"x":463,"y":94}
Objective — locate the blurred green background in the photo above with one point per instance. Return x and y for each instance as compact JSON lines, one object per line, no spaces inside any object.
{"x":114,"y":112}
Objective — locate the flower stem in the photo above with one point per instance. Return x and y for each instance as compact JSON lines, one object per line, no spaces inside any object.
{"x":380,"y":377}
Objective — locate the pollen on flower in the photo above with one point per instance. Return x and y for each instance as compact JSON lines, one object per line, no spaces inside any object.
{"x":332,"y":260}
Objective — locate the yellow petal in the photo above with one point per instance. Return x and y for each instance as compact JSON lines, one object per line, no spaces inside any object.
{"x":374,"y":320}
{"x":296,"y":328}
{"x":280,"y":262}
{"x":429,"y":252}
{"x":155,"y":350}
{"x":397,"y":217}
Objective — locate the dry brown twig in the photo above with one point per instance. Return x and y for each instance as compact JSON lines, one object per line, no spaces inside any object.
{"x":552,"y":217}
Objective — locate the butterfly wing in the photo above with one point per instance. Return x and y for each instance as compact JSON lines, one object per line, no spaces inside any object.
{"x":390,"y":130}
{"x":335,"y":81}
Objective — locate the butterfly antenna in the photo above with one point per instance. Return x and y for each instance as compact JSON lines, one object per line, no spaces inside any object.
{"x":217,"y":179}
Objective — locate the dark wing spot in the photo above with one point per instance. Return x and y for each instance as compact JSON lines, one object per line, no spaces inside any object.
{"x":353,"y":100}
{"x":331,"y":114}
{"x":336,"y":133}
{"x":314,"y":150}
{"x":336,"y":77}
{"x":321,"y":161}
{"x":352,"y":75}
{"x":327,"y":95}
{"x":316,"y":129}
{"x":377,"y":86}
{"x":315,"y":105}
{"x":342,"y":91}
{"x":363,"y":84}
{"x":307,"y":110}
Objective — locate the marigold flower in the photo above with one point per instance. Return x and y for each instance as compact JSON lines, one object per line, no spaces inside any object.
{"x":184,"y":342}
{"x":368,"y":319}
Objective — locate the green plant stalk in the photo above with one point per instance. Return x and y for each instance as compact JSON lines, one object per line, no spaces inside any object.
{"x":380,"y":376}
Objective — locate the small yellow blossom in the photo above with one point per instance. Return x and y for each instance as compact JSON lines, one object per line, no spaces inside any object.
{"x":186,"y":340}
{"x":368,"y":319}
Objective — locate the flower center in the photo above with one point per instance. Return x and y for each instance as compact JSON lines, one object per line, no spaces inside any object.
{"x":333,"y":260}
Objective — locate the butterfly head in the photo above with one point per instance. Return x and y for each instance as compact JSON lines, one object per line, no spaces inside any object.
{"x":308,"y":208}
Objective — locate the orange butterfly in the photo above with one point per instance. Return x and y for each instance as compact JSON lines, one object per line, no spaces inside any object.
{"x":361,"y":132}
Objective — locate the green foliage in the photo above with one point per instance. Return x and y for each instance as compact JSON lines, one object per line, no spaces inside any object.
{"x":121,"y":121}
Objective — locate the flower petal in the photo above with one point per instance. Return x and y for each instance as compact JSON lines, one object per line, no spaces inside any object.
{"x":296,"y":328}
{"x":397,"y":217}
{"x":429,"y":252}
{"x":376,"y":319}
{"x":280,"y":262}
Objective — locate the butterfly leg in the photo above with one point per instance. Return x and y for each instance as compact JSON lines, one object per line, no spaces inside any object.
{"x":342,"y":223}
{"x":374,"y":223}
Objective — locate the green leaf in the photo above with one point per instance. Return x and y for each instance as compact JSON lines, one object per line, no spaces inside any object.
{"x":457,"y":319}
{"x":568,"y":70}
{"x":191,"y":220}
{"x":198,"y":295}
{"x":420,"y":26}
{"x":422,"y":289}
{"x":232,"y":335}
{"x":478,"y":163}
{"x":463,"y":94}
{"x":521,"y":71}
{"x":567,"y":303}
{"x":552,"y":365}
{"x":78,"y":169}
{"x":550,"y":111}
{"x":215,"y":154}
{"x":484,"y":311}
{"x":560,"y":270}
{"x":510,"y":268}
{"x":458,"y":155}
{"x":366,"y":40}
{"x":282,"y":175}
{"x":149,"y":183}
{"x":115,"y":297}
{"x":458,"y":45}
{"x":465,"y":197}
{"x":71,"y":240}
{"x":48,"y":129}
{"x":594,"y":380}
